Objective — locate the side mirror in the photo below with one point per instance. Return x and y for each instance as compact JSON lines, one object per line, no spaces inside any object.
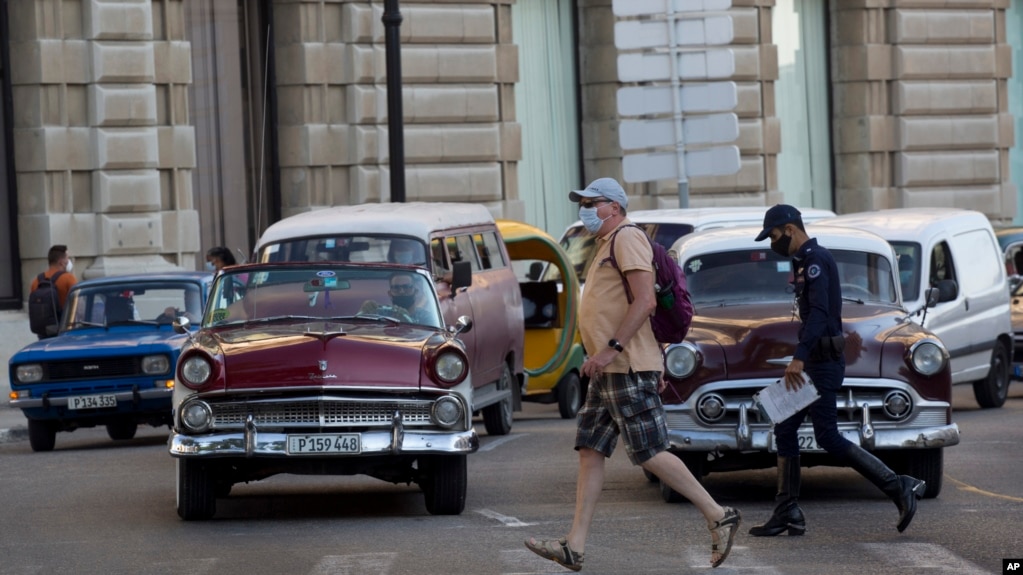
{"x":535,"y":271}
{"x":181,"y":324}
{"x":948,"y":290}
{"x":463,"y":325}
{"x":461,"y":276}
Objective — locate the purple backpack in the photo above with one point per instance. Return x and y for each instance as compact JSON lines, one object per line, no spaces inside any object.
{"x":670,"y":320}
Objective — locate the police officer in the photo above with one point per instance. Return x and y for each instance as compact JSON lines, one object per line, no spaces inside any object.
{"x":819,"y":355}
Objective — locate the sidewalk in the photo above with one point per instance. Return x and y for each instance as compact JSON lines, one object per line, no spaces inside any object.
{"x":16,"y":335}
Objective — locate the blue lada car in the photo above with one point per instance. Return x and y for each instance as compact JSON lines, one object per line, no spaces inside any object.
{"x":112,"y":363}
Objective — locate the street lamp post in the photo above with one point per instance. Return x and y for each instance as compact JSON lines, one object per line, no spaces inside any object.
{"x":395,"y":119}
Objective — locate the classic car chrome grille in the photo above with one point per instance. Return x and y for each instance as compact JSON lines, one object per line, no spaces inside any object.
{"x":848,"y":411}
{"x":309,"y":413}
{"x":91,"y":368}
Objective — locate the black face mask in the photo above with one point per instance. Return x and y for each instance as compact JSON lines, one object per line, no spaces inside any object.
{"x":404,"y":301}
{"x":781,"y":245}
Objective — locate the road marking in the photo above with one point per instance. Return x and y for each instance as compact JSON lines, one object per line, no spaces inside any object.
{"x":492,"y":444}
{"x":354,"y":564}
{"x":507,"y":521}
{"x":967,"y":487}
{"x":916,"y":556}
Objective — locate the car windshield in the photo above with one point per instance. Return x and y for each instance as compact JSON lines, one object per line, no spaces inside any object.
{"x":758,"y":275}
{"x":157,"y":303}
{"x":581,"y":245}
{"x":351,"y":293}
{"x":347,"y":248}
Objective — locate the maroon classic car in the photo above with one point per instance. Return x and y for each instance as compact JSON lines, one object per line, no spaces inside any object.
{"x":896,"y":399}
{"x":322,"y":368}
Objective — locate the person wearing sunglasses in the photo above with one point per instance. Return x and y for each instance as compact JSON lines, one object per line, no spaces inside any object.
{"x":406,"y":301}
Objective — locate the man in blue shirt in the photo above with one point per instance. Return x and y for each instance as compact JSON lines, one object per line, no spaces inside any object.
{"x":819,"y":354}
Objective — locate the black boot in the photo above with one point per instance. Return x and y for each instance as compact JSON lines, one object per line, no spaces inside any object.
{"x":902,"y":489}
{"x":787,"y":514}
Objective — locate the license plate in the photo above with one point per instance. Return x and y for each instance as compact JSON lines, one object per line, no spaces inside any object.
{"x":91,"y":401}
{"x":324,"y":443}
{"x":806,"y":440}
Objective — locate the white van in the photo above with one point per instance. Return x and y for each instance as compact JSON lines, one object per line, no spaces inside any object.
{"x":461,"y":246}
{"x":667,"y":225}
{"x":956,"y":252}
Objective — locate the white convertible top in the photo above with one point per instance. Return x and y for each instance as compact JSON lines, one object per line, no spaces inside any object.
{"x":417,"y":219}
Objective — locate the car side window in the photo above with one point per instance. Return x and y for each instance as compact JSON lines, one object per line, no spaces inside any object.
{"x":941,"y":264}
{"x":437,"y":255}
{"x":466,"y":251}
{"x":489,"y":250}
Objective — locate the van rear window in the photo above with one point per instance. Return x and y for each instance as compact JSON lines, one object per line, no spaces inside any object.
{"x":348,"y":248}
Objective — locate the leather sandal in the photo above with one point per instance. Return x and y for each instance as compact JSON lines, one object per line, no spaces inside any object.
{"x":556,"y":550}
{"x":725,"y":529}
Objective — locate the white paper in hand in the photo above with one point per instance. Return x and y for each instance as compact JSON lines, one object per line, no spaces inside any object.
{"x":777,"y":403}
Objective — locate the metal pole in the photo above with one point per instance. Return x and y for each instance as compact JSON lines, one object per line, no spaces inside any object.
{"x":676,"y":99}
{"x":395,"y":118}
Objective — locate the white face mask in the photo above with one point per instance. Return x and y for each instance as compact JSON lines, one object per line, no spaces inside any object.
{"x":70,"y":265}
{"x":210,"y":266}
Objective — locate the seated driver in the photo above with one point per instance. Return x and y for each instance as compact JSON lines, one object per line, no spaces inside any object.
{"x":406,"y":301}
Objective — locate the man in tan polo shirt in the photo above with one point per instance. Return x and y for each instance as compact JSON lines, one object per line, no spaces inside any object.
{"x":624,"y":367}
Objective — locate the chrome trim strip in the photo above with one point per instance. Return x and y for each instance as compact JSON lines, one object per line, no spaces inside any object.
{"x":375,"y":442}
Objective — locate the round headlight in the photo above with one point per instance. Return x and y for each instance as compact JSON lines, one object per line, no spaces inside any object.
{"x":29,"y":373}
{"x":680,"y":360}
{"x":447,"y":411}
{"x":196,"y":371}
{"x":155,"y":364}
{"x":450,"y":367}
{"x":196,"y":416}
{"x":928,"y":358}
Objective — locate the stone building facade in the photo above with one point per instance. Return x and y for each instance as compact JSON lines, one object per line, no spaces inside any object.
{"x":107,"y":159}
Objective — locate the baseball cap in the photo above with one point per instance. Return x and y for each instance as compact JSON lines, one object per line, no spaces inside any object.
{"x":602,"y":188}
{"x":778,"y":216}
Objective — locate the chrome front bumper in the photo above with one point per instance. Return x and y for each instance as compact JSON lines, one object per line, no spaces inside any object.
{"x":685,"y":433}
{"x":121,"y":396}
{"x":253,"y":443}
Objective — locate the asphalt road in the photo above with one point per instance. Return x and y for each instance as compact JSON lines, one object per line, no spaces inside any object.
{"x":97,"y":506}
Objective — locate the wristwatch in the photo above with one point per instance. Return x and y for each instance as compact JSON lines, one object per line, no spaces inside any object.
{"x":616,"y":345}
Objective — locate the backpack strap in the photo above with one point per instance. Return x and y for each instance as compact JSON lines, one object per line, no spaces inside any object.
{"x":614,"y":260}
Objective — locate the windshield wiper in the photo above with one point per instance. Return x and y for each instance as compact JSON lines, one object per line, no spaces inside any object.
{"x":852,"y":299}
{"x":283,"y":318}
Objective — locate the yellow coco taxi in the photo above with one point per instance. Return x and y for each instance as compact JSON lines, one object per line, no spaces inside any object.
{"x":553,"y":351}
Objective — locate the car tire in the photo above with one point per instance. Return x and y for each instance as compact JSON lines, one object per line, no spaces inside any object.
{"x":42,"y":435}
{"x":497,"y":418}
{"x":196,"y":495}
{"x":696,"y":464}
{"x":122,"y":430}
{"x":993,"y":389}
{"x":926,"y":464}
{"x":570,"y":395}
{"x":443,"y":479}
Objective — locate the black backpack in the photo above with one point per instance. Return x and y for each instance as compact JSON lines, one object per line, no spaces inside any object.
{"x":44,"y":306}
{"x":670,"y":320}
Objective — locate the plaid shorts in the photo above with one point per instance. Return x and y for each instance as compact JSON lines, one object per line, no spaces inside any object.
{"x":629,"y":402}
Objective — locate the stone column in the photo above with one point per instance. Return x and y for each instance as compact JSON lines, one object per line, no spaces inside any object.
{"x":458,"y":68}
{"x":103,"y":147}
{"x":921,"y":105}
